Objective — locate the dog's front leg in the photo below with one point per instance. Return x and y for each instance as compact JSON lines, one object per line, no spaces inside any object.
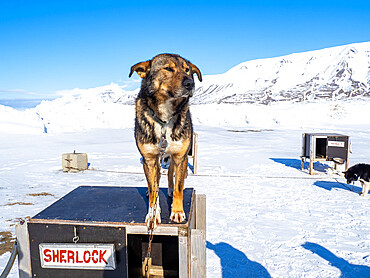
{"x":152,"y":174}
{"x":180,"y":168}
{"x":365,"y":187}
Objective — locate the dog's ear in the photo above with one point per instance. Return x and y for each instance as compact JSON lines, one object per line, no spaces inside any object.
{"x":195,"y":69}
{"x":141,"y":68}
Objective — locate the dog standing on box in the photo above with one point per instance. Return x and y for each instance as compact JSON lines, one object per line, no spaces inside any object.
{"x":163,"y":127}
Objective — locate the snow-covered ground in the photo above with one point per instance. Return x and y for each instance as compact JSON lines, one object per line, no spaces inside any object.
{"x":265,"y":217}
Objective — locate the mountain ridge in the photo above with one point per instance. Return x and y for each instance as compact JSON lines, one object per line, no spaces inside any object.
{"x":336,"y":73}
{"x":332,"y":73}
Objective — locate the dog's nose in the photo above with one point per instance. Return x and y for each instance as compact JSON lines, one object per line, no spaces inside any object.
{"x":188,"y":83}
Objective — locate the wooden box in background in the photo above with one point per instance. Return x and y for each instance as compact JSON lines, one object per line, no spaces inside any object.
{"x":74,"y":162}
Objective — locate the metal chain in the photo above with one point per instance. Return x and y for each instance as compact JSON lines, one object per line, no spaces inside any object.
{"x":163,"y":141}
{"x":150,"y":231}
{"x":76,"y":238}
{"x":162,"y":148}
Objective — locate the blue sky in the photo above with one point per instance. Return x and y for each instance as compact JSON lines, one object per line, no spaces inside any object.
{"x":48,"y":46}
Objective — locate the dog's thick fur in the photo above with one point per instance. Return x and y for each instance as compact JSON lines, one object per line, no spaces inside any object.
{"x":163,"y":104}
{"x":359,"y":172}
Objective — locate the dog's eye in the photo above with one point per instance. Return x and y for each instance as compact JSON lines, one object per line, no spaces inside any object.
{"x":168,"y":69}
{"x":187,"y":70}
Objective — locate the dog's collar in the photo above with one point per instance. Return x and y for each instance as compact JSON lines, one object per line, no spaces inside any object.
{"x":163,"y":123}
{"x":155,"y":117}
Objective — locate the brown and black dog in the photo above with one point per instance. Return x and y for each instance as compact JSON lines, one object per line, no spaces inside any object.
{"x":163,"y":125}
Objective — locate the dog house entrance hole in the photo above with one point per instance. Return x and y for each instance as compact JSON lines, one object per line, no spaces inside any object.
{"x":164,"y":254}
{"x":320,"y":147}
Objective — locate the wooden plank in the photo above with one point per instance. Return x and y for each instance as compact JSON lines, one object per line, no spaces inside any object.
{"x":183,"y":257}
{"x":303,"y":150}
{"x":74,"y":222}
{"x":346,"y":165}
{"x":24,"y":260}
{"x":158,"y":271}
{"x":312,"y":154}
{"x":349,"y":150}
{"x":198,"y":254}
{"x":132,"y":228}
{"x":193,"y":213}
{"x":320,"y":159}
{"x":147,"y":267}
{"x":302,"y":162}
{"x":195,"y":154}
{"x":201,"y":211}
{"x":168,"y":230}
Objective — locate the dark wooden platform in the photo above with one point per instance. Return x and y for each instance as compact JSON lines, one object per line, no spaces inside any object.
{"x":110,"y":204}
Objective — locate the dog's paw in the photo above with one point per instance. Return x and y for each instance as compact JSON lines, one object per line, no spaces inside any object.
{"x":153,"y":218}
{"x":177,"y":217}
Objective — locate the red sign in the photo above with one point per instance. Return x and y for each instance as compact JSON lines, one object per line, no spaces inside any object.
{"x":339,"y":144}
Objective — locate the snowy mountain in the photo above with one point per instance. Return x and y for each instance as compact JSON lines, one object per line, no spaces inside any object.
{"x":291,"y":85}
{"x":112,"y":93}
{"x":333,"y":73}
{"x":103,"y":107}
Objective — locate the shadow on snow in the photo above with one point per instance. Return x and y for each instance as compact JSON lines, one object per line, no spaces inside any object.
{"x":319,"y":167}
{"x":235,"y":263}
{"x":329,"y":185}
{"x":296,"y":164}
{"x":347,"y":269}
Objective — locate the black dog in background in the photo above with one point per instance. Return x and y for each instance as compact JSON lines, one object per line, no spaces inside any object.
{"x":359,"y":172}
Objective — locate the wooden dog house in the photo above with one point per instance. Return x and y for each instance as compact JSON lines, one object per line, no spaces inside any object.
{"x":99,"y":231}
{"x":325,"y":147}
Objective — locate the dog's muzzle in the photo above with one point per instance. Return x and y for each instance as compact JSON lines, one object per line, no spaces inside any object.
{"x":188,"y":84}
